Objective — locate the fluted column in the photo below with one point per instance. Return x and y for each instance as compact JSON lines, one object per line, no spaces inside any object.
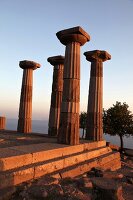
{"x":73,"y":38}
{"x":94,"y":129}
{"x":56,"y":95}
{"x":2,"y":123}
{"x":25,"y":107}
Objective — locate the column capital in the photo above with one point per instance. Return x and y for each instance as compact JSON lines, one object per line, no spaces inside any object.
{"x":75,"y":34}
{"x":26,"y":64}
{"x":56,"y":60}
{"x":97,"y":55}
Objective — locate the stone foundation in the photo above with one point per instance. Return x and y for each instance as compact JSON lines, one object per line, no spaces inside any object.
{"x":36,"y":160}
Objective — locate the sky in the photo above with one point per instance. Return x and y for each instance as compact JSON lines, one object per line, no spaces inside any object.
{"x":28,"y":32}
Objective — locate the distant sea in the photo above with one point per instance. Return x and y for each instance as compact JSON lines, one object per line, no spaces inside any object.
{"x":39,"y":126}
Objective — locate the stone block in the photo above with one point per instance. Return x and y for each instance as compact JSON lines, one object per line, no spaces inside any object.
{"x":48,"y":168}
{"x":107,"y":189}
{"x":28,"y":154}
{"x":15,"y":162}
{"x":12,"y":178}
{"x":74,"y":30}
{"x":9,"y":156}
{"x":70,"y":107}
{"x":71,"y":90}
{"x":69,"y":129}
{"x":112,"y":175}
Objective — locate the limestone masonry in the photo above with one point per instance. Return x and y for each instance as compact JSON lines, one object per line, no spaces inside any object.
{"x":2,"y":123}
{"x":25,"y":107}
{"x":72,"y":38}
{"x":26,"y":157}
{"x":94,"y":129}
{"x":56,"y":95}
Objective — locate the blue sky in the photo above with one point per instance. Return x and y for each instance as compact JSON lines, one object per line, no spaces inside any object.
{"x":28,"y":31}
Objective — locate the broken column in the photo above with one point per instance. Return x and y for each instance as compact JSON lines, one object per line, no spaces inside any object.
{"x":25,"y":107}
{"x":56,"y":95}
{"x":94,"y":129}
{"x":2,"y":123}
{"x":72,"y":38}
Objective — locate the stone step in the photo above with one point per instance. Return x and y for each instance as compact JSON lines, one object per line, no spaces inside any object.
{"x":36,"y":170}
{"x":18,"y":156}
{"x":67,"y":161}
{"x":109,"y":160}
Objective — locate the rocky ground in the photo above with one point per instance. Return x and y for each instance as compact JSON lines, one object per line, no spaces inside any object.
{"x":94,"y":185}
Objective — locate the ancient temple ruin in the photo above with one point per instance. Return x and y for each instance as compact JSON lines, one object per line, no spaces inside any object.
{"x":60,"y":153}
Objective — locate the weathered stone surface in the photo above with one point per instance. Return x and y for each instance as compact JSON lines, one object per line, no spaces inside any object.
{"x":112,"y":175}
{"x":56,"y":95}
{"x":25,"y":107}
{"x":80,"y":188}
{"x":70,"y":96}
{"x":16,"y":177}
{"x":99,"y":55}
{"x":33,"y":153}
{"x":48,"y":180}
{"x":94,"y":129}
{"x":73,"y":189}
{"x":63,"y":163}
{"x":69,"y":128}
{"x":86,"y":166}
{"x":96,"y":172}
{"x":113,"y":146}
{"x":85,"y":182}
{"x":2,"y":123}
{"x":36,"y":160}
{"x":9,"y":157}
{"x":26,"y":64}
{"x":73,"y":38}
{"x":37,"y":191}
{"x":107,"y":189}
{"x":75,"y":34}
{"x":100,"y":172}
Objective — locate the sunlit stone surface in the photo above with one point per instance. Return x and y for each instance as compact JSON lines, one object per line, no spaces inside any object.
{"x":94,"y":129}
{"x":25,"y":107}
{"x":2,"y":123}
{"x":73,"y":38}
{"x":56,"y":95}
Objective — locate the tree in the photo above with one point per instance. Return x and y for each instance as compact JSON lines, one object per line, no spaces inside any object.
{"x":82,"y":118}
{"x":118,"y":120}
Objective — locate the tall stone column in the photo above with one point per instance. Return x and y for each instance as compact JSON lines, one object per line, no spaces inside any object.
{"x":2,"y":123}
{"x":25,"y":107}
{"x":94,"y":129}
{"x":73,"y":38}
{"x":56,"y":95}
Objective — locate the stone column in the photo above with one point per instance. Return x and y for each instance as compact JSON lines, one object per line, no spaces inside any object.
{"x":73,"y":38}
{"x":2,"y":123}
{"x":56,"y":95}
{"x":95,"y":99}
{"x":25,"y":107}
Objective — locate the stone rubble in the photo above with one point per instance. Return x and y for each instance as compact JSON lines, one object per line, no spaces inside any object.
{"x":97,"y":184}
